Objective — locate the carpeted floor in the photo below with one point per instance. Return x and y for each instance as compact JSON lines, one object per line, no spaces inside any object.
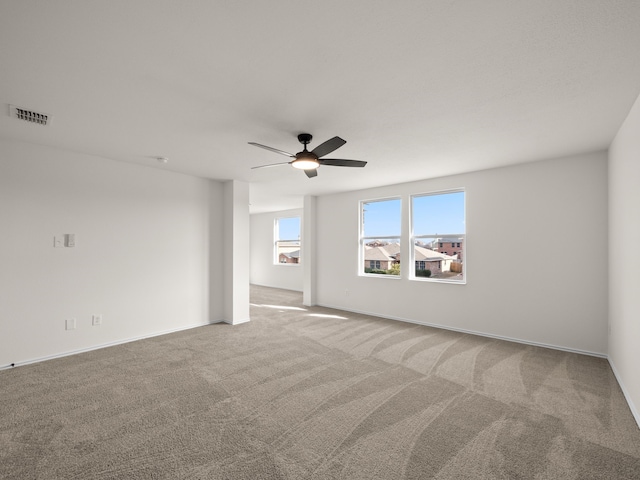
{"x":313,"y":393}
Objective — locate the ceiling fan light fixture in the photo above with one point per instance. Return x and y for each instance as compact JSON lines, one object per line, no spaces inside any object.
{"x":305,"y":160}
{"x":305,"y":164}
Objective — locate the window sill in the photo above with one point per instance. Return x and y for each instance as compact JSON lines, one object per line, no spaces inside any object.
{"x":378,"y":275}
{"x":438,"y":280}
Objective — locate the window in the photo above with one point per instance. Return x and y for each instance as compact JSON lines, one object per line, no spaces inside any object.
{"x":287,"y":241}
{"x":380,"y":237}
{"x":438,"y":218}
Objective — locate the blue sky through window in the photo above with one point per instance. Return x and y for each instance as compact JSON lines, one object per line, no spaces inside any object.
{"x":289,"y":228}
{"x":432,"y":215}
{"x":382,"y":218}
{"x":438,"y":214}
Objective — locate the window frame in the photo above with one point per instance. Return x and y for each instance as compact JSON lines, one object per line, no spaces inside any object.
{"x":277,"y":240}
{"x":362,"y":239}
{"x":413,"y":238}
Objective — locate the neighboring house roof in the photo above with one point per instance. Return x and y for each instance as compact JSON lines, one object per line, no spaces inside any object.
{"x":294,"y":254}
{"x":377,"y":253}
{"x":424,"y":254}
{"x":421,"y":254}
{"x":288,"y":247}
{"x":445,"y":240}
{"x":392,"y":248}
{"x":376,"y":243}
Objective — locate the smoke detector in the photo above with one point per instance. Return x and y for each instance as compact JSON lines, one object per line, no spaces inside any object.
{"x":30,"y":116}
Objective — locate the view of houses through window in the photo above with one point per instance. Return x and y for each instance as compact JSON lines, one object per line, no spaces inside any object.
{"x":438,"y":236}
{"x":380,"y":236}
{"x":287,"y":240}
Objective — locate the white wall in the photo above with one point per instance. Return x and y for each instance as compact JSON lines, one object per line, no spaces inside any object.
{"x":624,"y":257}
{"x":141,"y":257}
{"x":263,"y":270}
{"x":536,"y":256}
{"x":236,"y":252}
{"x":309,"y":248}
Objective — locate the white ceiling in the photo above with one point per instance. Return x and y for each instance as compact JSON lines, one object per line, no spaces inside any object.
{"x":419,"y":89}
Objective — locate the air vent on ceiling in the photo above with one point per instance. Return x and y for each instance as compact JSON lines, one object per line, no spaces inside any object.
{"x":38,"y":118}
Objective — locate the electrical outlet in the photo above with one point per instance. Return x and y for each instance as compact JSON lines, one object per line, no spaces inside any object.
{"x":70,"y":240}
{"x":70,"y":323}
{"x":96,"y":320}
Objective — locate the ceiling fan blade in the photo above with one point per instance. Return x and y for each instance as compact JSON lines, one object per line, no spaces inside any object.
{"x":281,"y":152}
{"x":336,"y":162}
{"x":328,"y":146}
{"x":311,"y":173}
{"x":271,"y":165}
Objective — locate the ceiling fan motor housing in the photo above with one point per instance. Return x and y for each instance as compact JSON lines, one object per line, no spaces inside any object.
{"x":305,"y":138}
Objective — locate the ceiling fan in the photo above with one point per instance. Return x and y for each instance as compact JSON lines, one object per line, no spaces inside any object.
{"x":309,"y":161}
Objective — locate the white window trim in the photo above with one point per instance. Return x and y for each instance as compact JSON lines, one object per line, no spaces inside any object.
{"x":413,"y":238}
{"x":363,"y":239}
{"x":276,"y":230}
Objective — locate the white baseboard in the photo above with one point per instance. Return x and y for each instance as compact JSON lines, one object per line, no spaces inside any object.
{"x":472,"y":332}
{"x":237,"y":322}
{"x":625,"y":392}
{"x":278,"y":288}
{"x":105,"y":345}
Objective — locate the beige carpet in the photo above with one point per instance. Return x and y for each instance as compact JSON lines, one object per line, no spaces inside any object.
{"x":303,"y":393}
